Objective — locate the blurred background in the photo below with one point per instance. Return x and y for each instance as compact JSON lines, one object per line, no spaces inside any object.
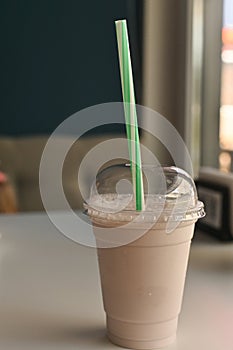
{"x":59,"y":57}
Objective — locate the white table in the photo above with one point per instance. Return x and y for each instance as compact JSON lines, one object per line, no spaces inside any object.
{"x":50,"y":292}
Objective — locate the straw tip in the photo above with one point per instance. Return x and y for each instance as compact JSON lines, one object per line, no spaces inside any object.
{"x":119,"y":21}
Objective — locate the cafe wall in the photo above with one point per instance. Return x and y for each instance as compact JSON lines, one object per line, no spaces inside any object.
{"x":59,"y":57}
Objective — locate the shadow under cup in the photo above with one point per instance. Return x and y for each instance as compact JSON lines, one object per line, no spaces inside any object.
{"x":143,"y":278}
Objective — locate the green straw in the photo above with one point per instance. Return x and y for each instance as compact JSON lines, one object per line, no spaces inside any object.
{"x":130,"y":111}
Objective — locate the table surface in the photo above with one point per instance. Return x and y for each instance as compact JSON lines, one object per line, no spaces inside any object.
{"x":50,"y":294}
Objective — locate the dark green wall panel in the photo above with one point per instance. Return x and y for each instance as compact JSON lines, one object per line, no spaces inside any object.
{"x":57,"y":57}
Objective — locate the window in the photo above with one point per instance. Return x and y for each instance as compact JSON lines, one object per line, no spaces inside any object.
{"x":217,"y":85}
{"x":226,"y":98}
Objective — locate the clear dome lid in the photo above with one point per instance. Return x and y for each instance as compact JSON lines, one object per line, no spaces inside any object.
{"x":169,"y":193}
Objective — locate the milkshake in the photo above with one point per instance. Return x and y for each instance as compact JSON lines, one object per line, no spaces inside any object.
{"x":143,"y":256}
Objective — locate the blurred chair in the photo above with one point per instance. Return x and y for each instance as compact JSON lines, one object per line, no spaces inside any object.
{"x":8,"y":202}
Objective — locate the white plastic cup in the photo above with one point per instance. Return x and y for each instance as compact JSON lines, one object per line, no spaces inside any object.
{"x":143,"y":256}
{"x":142,"y":286}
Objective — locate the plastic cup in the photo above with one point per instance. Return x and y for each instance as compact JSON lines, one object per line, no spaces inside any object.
{"x":143,"y":262}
